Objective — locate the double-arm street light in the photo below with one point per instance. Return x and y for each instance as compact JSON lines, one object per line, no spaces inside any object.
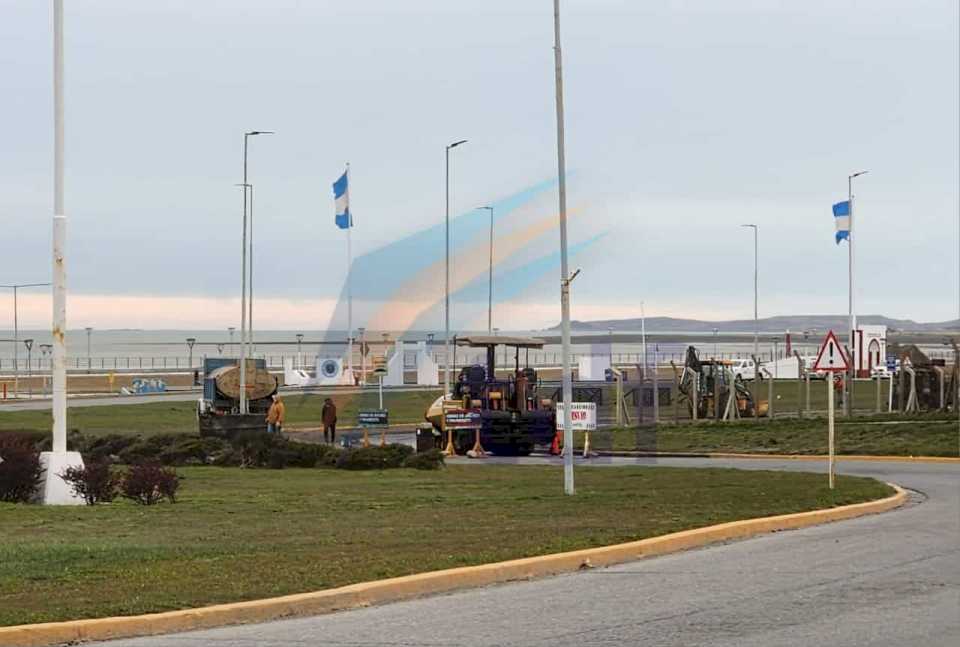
{"x":446,"y":298}
{"x":16,"y":329}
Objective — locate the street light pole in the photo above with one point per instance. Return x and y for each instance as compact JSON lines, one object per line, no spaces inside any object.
{"x":29,"y":344}
{"x":490,"y":288}
{"x":16,"y":330}
{"x":231,"y":330}
{"x":243,"y":280}
{"x":446,"y":297}
{"x":299,"y":355}
{"x":89,"y":360}
{"x":565,"y":277}
{"x":190,"y":342}
{"x":756,"y":292}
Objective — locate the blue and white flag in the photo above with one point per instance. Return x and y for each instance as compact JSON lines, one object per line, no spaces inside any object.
{"x":341,"y":196}
{"x":841,"y":216}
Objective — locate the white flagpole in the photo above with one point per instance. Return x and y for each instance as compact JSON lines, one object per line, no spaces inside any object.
{"x":349,"y":280}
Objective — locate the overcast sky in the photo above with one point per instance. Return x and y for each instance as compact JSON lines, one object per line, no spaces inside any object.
{"x":684,"y":120}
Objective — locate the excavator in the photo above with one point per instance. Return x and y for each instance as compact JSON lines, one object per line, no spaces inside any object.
{"x":699,"y":384}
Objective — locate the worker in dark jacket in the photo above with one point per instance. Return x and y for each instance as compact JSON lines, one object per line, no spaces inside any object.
{"x":328,"y":416}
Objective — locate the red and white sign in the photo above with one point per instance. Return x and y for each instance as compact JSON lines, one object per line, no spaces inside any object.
{"x":583,"y":415}
{"x":831,"y":356}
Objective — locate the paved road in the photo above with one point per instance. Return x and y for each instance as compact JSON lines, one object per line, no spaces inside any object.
{"x":186,"y":395}
{"x":887,"y":580}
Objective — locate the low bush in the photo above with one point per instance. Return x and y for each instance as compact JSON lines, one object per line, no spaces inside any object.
{"x":374,"y":458}
{"x":428,"y":460}
{"x":20,"y":469}
{"x":193,"y":450}
{"x":96,"y":482}
{"x":103,"y":448}
{"x":150,"y":483}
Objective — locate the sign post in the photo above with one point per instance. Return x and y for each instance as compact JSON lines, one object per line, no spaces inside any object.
{"x":583,"y":417}
{"x":831,"y":359}
{"x":373,"y":418}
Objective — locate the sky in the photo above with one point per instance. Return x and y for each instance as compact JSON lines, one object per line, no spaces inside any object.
{"x":684,"y":120}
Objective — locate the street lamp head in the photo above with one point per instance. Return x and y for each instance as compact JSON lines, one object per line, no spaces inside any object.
{"x":191,"y":341}
{"x":858,"y":174}
{"x":754,"y":226}
{"x":259,"y":132}
{"x":299,"y":337}
{"x":455,"y":144}
{"x":487,"y":208}
{"x":28,"y":343}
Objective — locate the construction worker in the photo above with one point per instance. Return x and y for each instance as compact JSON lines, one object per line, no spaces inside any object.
{"x":328,"y":415}
{"x":276,"y":415}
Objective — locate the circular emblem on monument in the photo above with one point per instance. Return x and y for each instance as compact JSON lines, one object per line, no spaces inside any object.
{"x":329,"y":368}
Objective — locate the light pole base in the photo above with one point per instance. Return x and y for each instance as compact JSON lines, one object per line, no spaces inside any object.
{"x":54,"y":490}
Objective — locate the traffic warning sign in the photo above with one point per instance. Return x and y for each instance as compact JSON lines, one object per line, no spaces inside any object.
{"x":831,"y":356}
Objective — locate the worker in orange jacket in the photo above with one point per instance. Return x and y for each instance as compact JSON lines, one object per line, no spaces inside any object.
{"x":276,"y":415}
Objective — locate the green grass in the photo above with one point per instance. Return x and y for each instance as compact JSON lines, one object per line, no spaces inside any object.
{"x":245,"y":534}
{"x":180,"y":417}
{"x":933,"y":435}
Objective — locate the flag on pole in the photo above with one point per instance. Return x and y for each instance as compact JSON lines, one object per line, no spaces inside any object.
{"x":841,"y":216}
{"x":341,"y":196}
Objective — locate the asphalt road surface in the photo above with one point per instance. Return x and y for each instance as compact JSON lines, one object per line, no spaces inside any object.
{"x":889,"y":580}
{"x":184,"y":396}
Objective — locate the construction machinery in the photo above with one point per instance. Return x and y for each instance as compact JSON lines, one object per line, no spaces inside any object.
{"x":924,"y":384}
{"x":218,"y":411}
{"x":509,"y":411}
{"x":706,"y":385}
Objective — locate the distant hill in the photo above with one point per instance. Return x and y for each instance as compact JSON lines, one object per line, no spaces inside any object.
{"x":797,"y":323}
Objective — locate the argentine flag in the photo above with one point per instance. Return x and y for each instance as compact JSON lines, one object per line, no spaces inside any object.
{"x":341,"y":196}
{"x":841,"y":216}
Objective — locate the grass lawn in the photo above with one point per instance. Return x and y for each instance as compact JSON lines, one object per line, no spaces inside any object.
{"x":180,"y":417}
{"x":917,"y":436}
{"x":245,"y":534}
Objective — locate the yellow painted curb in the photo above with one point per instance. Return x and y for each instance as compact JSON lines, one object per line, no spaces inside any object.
{"x":841,"y":457}
{"x":410,"y":586}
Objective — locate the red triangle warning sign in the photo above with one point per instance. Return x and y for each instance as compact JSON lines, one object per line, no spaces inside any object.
{"x":831,"y":356}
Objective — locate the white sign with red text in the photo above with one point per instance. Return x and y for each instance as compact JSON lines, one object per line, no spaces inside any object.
{"x":583,"y":415}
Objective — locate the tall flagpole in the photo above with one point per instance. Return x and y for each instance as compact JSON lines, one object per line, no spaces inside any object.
{"x":847,"y":401}
{"x":59,"y":244}
{"x":349,"y":280}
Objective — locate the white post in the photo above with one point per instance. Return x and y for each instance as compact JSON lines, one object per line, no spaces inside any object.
{"x":830,"y":437}
{"x":59,"y":245}
{"x":54,"y":490}
{"x":565,"y":278}
{"x":16,"y":347}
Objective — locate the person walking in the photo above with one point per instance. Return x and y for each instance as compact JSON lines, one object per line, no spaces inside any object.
{"x":328,"y":416}
{"x":276,"y":415}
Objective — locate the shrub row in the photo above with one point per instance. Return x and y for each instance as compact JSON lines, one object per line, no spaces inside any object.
{"x":144,"y":484}
{"x":95,"y":482}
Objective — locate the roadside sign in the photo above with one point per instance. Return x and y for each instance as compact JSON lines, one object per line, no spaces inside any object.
{"x":831,"y":356}
{"x":832,"y":359}
{"x":583,"y":416}
{"x":372,"y":418}
{"x":461,"y":419}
